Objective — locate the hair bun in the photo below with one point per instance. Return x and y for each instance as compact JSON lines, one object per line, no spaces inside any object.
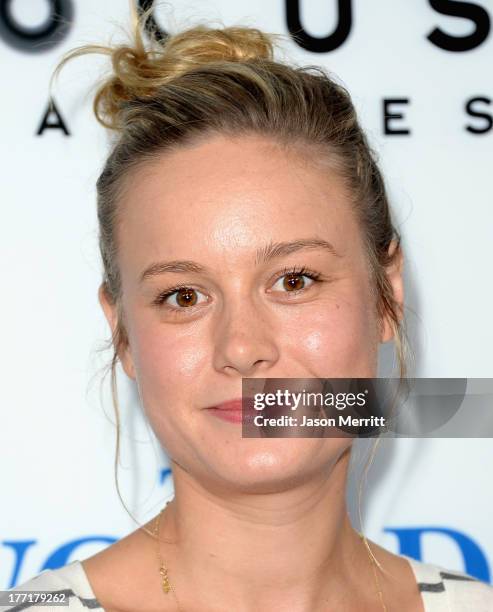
{"x":203,"y":45}
{"x":139,"y":70}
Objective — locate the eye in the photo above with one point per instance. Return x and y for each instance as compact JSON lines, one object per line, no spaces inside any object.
{"x":292,"y":280}
{"x":178,"y":298}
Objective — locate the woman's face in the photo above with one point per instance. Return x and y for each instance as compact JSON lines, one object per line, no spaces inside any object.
{"x":232,"y":206}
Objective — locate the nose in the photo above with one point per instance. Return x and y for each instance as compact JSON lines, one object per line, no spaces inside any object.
{"x":245,"y":340}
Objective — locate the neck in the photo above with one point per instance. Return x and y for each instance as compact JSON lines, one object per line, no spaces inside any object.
{"x":292,"y":549}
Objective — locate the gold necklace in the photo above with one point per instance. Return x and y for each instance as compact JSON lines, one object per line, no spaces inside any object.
{"x":167,"y":587}
{"x":163,"y":570}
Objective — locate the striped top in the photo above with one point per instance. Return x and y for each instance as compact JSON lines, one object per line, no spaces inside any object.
{"x":442,"y":590}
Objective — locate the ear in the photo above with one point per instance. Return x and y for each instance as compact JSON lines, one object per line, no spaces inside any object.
{"x":110,"y":312}
{"x":394,"y":275}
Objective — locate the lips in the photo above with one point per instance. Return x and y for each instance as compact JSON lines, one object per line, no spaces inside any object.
{"x":245,"y":403}
{"x":236,"y":410}
{"x":242,"y":410}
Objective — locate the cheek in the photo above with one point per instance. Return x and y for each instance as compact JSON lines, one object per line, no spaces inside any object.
{"x":167,"y":364}
{"x":167,"y":367}
{"x":340,"y":339}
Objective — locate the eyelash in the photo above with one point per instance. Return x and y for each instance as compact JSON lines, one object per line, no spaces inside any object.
{"x":160,"y":299}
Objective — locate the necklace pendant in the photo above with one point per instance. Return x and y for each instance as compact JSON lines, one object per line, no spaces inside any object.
{"x":165,"y":581}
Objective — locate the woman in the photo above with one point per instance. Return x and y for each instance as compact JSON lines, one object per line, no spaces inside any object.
{"x":245,"y":232}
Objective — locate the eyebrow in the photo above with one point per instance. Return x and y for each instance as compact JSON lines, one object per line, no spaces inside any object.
{"x":264,"y":254}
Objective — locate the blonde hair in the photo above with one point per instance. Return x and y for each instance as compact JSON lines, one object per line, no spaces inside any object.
{"x":206,"y":80}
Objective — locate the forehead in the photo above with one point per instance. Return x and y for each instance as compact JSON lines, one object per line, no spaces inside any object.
{"x":232,"y":193}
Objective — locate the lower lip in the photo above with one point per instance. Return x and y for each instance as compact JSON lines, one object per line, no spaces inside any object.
{"x":232,"y":416}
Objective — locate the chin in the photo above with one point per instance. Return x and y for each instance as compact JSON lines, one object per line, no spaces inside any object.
{"x":272,"y":465}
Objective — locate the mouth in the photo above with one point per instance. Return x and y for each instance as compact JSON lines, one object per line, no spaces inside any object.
{"x":242,"y":410}
{"x":237,"y":410}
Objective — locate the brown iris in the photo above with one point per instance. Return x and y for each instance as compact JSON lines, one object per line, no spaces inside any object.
{"x":186,"y":297}
{"x":293,"y":281}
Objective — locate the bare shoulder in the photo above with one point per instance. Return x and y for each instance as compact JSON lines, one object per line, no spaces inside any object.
{"x":397,"y":581}
{"x":431,"y":586}
{"x":121,"y":573}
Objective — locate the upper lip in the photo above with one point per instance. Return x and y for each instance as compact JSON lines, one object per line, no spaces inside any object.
{"x":238,"y":403}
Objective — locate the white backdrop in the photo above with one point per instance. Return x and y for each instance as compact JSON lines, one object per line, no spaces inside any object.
{"x":58,"y":495}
